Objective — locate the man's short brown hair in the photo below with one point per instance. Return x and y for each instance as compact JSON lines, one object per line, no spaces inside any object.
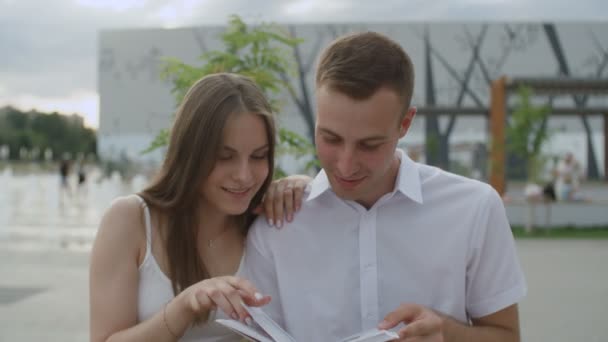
{"x":359,"y":64}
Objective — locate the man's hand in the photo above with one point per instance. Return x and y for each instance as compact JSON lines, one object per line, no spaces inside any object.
{"x":422,"y":324}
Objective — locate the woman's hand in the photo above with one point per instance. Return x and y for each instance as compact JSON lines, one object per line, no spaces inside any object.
{"x":283,"y":198}
{"x":226,"y":293}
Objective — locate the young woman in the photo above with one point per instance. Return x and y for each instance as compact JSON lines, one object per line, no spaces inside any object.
{"x":163,"y":260}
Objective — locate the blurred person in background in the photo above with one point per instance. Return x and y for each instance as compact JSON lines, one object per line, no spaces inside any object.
{"x":64,"y":174}
{"x":81,"y":173}
{"x":568,"y":176}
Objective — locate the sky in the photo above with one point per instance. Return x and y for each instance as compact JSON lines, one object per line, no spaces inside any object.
{"x":48,"y":49}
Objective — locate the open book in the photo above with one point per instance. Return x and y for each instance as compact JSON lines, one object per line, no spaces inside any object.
{"x":264,"y":329}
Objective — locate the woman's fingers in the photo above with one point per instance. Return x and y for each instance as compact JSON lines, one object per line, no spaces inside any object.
{"x":256,"y":301}
{"x":227,"y":293}
{"x":245,"y":287}
{"x":299,"y":193}
{"x":233,"y":296}
{"x":283,"y":198}
{"x":268,"y":203}
{"x":223,"y":296}
{"x":289,"y":202}
{"x":200,"y":301}
{"x":278,"y":202}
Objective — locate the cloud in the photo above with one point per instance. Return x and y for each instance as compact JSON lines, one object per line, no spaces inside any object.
{"x":53,"y":42}
{"x":49,"y":49}
{"x":115,"y":5}
{"x":443,"y":10}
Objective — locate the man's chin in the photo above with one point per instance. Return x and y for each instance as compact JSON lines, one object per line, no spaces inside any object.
{"x":345,"y":194}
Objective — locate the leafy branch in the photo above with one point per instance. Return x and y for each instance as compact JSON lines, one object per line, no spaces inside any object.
{"x":263,"y":53}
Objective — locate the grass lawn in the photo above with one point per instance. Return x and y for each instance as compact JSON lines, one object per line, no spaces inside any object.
{"x":600,"y":232}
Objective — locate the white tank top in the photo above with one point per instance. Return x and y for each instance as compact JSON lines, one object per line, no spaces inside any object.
{"x":155,"y":291}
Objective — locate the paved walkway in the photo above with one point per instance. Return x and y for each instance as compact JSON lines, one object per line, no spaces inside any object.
{"x":44,"y":295}
{"x":45,"y":239}
{"x":567,"y":290}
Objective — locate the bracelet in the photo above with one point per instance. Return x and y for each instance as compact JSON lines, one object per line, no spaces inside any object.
{"x":167,"y":324}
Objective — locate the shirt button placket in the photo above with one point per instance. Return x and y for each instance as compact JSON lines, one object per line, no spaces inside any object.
{"x":368,"y":270}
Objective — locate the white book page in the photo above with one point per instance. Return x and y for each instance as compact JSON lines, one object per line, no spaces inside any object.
{"x":244,"y":330}
{"x":272,"y":332}
{"x":270,"y":326}
{"x":373,"y":335}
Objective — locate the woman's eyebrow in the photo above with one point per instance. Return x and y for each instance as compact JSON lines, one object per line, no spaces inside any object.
{"x":226,"y":147}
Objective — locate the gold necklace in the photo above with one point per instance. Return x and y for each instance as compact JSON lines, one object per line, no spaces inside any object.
{"x":212,"y":242}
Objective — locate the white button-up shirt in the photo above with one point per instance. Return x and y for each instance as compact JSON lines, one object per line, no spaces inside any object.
{"x":438,"y":239}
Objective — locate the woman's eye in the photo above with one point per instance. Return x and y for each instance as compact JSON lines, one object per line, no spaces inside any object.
{"x":260,"y":156}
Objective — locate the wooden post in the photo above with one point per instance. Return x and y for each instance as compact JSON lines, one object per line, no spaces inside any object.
{"x":606,"y":147}
{"x":497,"y":134}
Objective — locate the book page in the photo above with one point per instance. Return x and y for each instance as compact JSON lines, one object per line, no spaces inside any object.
{"x":246,"y":331}
{"x":373,"y":335}
{"x":265,"y":329}
{"x":268,"y":324}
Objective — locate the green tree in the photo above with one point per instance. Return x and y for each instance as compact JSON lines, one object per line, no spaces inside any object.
{"x":263,"y":53}
{"x":60,"y":133}
{"x":527,"y":133}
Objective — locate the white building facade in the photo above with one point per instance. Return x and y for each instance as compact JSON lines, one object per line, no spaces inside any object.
{"x":455,"y":62}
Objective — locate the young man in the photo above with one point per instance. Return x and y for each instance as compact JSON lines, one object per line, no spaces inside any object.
{"x":381,"y":240}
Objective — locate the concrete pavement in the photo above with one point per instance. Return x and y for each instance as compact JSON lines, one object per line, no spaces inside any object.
{"x":44,"y":294}
{"x":45,"y":240}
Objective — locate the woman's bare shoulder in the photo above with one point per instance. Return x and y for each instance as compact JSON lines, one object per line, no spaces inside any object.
{"x":122,"y":223}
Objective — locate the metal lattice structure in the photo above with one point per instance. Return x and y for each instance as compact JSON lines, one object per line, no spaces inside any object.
{"x":501,"y":89}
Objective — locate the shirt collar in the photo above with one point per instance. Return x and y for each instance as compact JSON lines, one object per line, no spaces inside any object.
{"x":319,"y":185}
{"x":407,"y":183}
{"x":408,"y":178}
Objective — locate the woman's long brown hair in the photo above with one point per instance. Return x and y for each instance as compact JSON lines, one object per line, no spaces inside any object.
{"x":195,"y":138}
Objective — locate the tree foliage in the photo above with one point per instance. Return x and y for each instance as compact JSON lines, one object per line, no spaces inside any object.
{"x":527,"y":133}
{"x":263,"y":53}
{"x":42,"y":131}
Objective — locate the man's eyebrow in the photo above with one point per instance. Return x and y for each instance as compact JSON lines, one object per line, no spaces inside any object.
{"x":328,"y":131}
{"x":374,"y":138}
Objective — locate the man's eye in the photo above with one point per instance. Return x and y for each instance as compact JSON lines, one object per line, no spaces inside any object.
{"x":260,"y":156}
{"x":331,"y":140}
{"x":369,"y":147}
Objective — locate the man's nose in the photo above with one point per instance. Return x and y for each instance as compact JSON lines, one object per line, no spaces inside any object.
{"x":347,"y":164}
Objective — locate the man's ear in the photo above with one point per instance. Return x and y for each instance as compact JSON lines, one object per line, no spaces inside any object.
{"x":406,"y":122}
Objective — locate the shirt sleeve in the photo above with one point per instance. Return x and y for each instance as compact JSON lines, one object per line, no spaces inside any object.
{"x":495,"y":279}
{"x":259,"y":267}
